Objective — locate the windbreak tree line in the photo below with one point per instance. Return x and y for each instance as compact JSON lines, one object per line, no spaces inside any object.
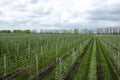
{"x":15,"y":31}
{"x":75,"y":31}
{"x":107,"y":30}
{"x":5,"y":31}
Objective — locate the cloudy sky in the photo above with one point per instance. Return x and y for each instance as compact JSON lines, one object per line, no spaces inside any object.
{"x":58,"y":14}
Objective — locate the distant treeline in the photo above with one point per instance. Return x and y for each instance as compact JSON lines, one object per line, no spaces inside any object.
{"x":107,"y":30}
{"x":15,"y":31}
{"x":75,"y":31}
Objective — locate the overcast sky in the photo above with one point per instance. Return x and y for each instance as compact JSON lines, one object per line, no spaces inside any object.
{"x":58,"y":14}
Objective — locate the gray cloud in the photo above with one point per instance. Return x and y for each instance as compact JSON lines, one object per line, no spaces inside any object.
{"x":1,"y":13}
{"x":34,"y":1}
{"x":111,"y":13}
{"x":42,"y":12}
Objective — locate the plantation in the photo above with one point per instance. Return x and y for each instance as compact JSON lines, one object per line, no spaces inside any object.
{"x":59,"y":57}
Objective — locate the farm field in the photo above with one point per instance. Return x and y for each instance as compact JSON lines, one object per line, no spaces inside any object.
{"x":59,"y":57}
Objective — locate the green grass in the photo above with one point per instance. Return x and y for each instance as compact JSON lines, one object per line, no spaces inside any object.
{"x":83,"y":67}
{"x":100,"y":60}
{"x":92,"y":72}
{"x":20,"y":49}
